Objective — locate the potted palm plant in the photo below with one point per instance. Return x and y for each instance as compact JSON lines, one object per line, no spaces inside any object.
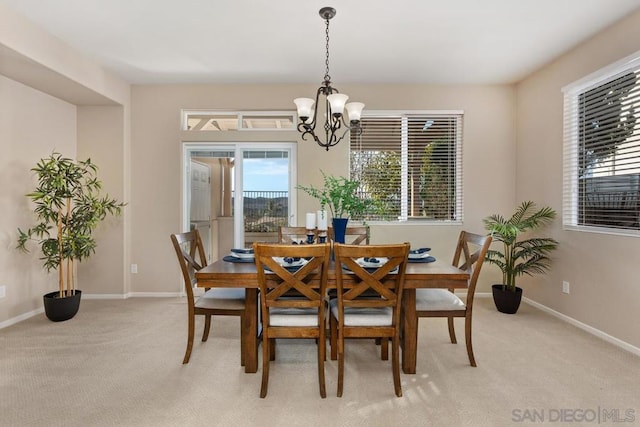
{"x":518,"y":256}
{"x":341,"y":196}
{"x":68,"y":208}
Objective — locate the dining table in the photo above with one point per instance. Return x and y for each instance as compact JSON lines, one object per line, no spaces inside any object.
{"x":436,"y":274}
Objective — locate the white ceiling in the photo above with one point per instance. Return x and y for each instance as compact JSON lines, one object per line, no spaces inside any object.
{"x":283,"y":41}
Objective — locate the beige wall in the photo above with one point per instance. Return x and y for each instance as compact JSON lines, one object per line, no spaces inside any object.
{"x":488,"y":158}
{"x":52,"y":98}
{"x":605,"y":291}
{"x":32,"y":125}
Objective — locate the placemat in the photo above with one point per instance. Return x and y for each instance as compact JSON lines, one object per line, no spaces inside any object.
{"x":422,"y":260}
{"x":231,"y":258}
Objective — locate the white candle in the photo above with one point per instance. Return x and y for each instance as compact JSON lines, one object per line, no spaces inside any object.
{"x":322,"y":220}
{"x":311,"y":221}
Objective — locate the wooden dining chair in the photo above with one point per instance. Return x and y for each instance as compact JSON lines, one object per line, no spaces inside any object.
{"x":293,"y":234}
{"x":214,"y":302}
{"x":355,"y":316}
{"x":297,"y":317}
{"x":357,"y":235}
{"x":469,"y":255}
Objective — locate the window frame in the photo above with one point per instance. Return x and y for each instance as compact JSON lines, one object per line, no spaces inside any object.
{"x":571,"y":141}
{"x":404,"y":218}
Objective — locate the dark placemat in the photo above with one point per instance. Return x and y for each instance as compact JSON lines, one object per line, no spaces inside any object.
{"x":231,"y":258}
{"x":422,"y":260}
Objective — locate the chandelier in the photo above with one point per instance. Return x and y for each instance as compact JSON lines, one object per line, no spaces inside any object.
{"x":335,"y":126}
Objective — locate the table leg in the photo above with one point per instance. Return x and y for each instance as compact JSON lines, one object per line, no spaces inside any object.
{"x":409,"y":331}
{"x":250,"y":331}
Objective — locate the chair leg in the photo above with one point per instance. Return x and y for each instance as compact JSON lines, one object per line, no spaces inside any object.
{"x":322,"y":346}
{"x":384,"y":348}
{"x":467,"y":335}
{"x":265,"y":365}
{"x":340,"y":364}
{"x":395,"y":364}
{"x":452,"y":331}
{"x":190,"y":333}
{"x":242,"y":344}
{"x":272,"y":349}
{"x":207,"y":326}
{"x":333,"y":323}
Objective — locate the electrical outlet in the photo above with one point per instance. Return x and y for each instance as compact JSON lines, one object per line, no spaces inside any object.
{"x":3,"y":291}
{"x":565,"y":287}
{"x":134,"y":268}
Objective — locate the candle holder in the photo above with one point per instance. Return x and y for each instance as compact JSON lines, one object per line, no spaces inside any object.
{"x":322,"y":238}
{"x":310,"y":236}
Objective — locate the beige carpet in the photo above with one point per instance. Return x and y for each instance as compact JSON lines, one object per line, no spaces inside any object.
{"x":118,"y":363}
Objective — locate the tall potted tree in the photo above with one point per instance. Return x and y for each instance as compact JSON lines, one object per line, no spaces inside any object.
{"x":517,"y":257}
{"x":340,"y":195}
{"x":68,"y":208}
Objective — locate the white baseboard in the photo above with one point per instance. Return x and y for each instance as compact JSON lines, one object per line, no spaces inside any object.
{"x":590,"y":329}
{"x":20,"y":318}
{"x":32,"y":313}
{"x":132,"y":295}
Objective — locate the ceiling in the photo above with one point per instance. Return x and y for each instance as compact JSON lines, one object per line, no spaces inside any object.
{"x":283,"y":41}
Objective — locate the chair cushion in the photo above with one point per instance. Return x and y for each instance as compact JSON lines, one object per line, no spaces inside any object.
{"x":354,"y":316}
{"x":437,"y":300}
{"x":222,"y":298}
{"x":290,"y":316}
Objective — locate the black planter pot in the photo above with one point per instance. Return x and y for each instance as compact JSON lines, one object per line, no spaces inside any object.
{"x":60,"y":309}
{"x":505,"y":300}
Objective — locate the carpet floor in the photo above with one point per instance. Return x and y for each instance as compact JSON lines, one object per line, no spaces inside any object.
{"x":118,"y":363}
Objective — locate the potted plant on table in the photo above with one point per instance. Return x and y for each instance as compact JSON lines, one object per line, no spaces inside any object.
{"x":340,"y":195}
{"x":517,"y":257}
{"x":68,"y":208}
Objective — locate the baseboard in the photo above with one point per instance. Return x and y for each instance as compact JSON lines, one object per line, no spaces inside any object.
{"x":590,"y":329}
{"x":132,"y":295}
{"x":32,"y":313}
{"x":20,"y":318}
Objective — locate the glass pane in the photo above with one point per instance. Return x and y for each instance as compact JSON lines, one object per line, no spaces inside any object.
{"x":209,"y":122}
{"x":265,"y":180}
{"x":267,"y":122}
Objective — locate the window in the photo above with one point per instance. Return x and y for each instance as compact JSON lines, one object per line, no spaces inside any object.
{"x":601,"y":189}
{"x":411,"y":165}
{"x":233,"y":121}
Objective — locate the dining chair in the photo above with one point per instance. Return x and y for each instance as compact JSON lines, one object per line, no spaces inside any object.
{"x":282,"y":268}
{"x":288,"y":234}
{"x":469,"y":255}
{"x":357,"y":235}
{"x":215,"y":301}
{"x":355,"y":316}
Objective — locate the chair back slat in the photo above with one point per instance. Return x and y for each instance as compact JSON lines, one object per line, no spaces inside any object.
{"x":374,"y":288}
{"x":357,"y":235}
{"x":309,"y":280}
{"x":469,"y":256}
{"x":288,"y":235}
{"x":191,"y":257}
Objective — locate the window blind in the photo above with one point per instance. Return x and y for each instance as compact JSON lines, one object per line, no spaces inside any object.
{"x":411,"y":165}
{"x":601,"y":184}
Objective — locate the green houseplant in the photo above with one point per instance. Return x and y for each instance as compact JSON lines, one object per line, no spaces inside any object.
{"x":340,"y":195}
{"x":68,"y":208}
{"x":518,"y":256}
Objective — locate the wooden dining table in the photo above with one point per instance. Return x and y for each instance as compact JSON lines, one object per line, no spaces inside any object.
{"x":437,"y":274}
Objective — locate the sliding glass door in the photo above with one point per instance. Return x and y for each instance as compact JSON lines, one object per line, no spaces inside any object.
{"x":255,"y":180}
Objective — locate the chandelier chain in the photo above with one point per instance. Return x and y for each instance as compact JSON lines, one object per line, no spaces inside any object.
{"x":327,"y":77}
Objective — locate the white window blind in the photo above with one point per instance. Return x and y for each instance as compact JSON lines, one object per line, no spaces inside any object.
{"x":411,"y":165}
{"x":601,"y":188}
